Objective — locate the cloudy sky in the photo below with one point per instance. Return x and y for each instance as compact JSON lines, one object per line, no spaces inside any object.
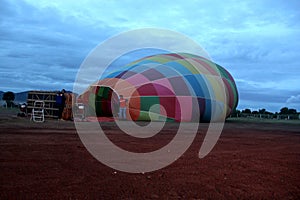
{"x":43,"y":43}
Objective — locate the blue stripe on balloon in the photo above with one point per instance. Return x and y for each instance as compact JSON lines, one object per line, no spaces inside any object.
{"x":178,"y":67}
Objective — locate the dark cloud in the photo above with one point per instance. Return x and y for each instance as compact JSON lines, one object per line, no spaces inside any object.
{"x":39,"y":46}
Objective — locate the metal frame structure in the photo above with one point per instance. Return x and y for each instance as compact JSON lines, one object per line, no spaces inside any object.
{"x":48,"y":97}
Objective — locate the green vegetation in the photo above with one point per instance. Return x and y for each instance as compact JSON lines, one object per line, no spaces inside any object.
{"x":9,"y":97}
{"x":284,"y":114}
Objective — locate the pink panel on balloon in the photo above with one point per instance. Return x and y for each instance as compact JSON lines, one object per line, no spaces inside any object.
{"x":165,"y":82}
{"x":185,"y":102}
{"x":163,"y":91}
{"x":138,"y":79}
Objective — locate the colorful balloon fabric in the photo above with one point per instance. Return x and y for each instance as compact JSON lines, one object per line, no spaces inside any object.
{"x":172,"y":87}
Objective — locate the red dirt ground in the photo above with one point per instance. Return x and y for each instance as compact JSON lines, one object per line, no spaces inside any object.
{"x":250,"y":161}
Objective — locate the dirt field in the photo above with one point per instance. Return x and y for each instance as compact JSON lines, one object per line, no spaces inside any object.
{"x":252,"y":160}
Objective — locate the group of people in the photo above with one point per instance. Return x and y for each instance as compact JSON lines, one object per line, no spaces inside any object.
{"x":60,"y":104}
{"x":119,"y":108}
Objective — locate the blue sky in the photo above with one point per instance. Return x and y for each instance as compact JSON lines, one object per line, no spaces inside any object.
{"x":43,"y":43}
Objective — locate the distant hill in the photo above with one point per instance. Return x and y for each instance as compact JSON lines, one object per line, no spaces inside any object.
{"x":20,"y":97}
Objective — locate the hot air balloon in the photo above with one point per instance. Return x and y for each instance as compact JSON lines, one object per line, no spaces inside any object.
{"x":171,"y":87}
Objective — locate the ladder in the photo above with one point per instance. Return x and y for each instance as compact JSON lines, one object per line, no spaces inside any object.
{"x":38,"y":111}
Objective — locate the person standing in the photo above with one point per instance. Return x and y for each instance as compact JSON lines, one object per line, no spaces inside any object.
{"x":60,"y":102}
{"x":122,"y":114}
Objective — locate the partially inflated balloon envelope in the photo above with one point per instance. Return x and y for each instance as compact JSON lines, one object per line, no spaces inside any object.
{"x":171,"y":87}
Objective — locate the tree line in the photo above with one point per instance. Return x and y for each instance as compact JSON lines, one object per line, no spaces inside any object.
{"x":284,"y":112}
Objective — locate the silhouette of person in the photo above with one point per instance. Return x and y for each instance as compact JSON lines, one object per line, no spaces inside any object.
{"x":60,"y":102}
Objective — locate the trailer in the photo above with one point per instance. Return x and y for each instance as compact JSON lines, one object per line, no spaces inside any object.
{"x":49,"y":98}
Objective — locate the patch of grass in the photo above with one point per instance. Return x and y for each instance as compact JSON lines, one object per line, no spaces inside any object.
{"x":4,"y":110}
{"x":259,"y":120}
